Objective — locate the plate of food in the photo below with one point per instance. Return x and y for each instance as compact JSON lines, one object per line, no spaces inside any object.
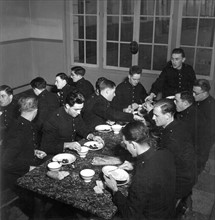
{"x":103,"y":128}
{"x":94,"y":145}
{"x":64,"y":158}
{"x":120,"y":175}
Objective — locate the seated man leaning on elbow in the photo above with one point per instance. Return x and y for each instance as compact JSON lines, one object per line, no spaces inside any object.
{"x":60,"y":130}
{"x":152,"y":189}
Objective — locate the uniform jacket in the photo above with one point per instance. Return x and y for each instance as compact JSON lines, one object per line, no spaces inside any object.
{"x":19,"y":145}
{"x":126,"y":94}
{"x":152,"y":190}
{"x":194,"y":122}
{"x":207,"y":110}
{"x":47,"y":103}
{"x":171,"y":80}
{"x":97,"y":111}
{"x":84,"y":86}
{"x":8,"y":114}
{"x":207,"y":137}
{"x":60,"y":128}
{"x":176,"y":138}
{"x":63,"y":93}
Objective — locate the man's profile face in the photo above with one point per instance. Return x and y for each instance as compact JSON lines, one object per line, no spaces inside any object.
{"x":180,"y":105}
{"x":135,"y":79}
{"x":159,"y":118}
{"x":198,"y":93}
{"x":74,"y":110}
{"x":177,"y":60}
{"x":111,"y":94}
{"x":75,"y":77}
{"x":5,"y":99}
{"x":60,"y":83}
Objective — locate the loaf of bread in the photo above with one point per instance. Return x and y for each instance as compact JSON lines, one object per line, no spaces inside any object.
{"x":57,"y":175}
{"x":106,"y":160}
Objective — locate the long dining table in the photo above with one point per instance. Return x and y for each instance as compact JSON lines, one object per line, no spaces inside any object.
{"x":72,"y":190}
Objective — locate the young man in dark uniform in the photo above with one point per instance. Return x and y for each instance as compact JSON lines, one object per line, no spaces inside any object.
{"x":176,"y":138}
{"x":61,"y":129}
{"x":188,"y":113}
{"x":206,"y":106}
{"x":47,"y":103}
{"x":98,"y":109}
{"x":152,"y":190}
{"x":130,"y":93}
{"x":63,"y":87}
{"x":176,"y":76}
{"x":9,"y":109}
{"x":20,"y":145}
{"x":80,"y":83}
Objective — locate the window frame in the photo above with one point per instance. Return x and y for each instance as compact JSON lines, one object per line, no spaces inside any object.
{"x":195,"y":47}
{"x":175,"y":29}
{"x":71,"y":15}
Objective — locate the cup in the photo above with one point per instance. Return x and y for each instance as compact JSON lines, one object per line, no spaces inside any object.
{"x":116,"y":128}
{"x":83,"y":152}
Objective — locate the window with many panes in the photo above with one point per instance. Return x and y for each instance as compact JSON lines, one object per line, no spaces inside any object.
{"x":144,"y":21}
{"x":85,"y":31}
{"x":157,"y":26}
{"x":197,"y":34}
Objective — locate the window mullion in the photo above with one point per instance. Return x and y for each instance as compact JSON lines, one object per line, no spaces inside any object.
{"x":120,"y":23}
{"x":85,"y":27}
{"x":153,"y":36}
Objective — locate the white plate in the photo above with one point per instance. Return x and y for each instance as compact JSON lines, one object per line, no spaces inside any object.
{"x":118,"y":174}
{"x":103,"y":128}
{"x":94,"y":145}
{"x":64,"y":156}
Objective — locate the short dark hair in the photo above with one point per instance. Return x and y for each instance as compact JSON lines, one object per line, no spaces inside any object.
{"x":203,"y":83}
{"x":62,"y":76}
{"x":135,"y":70}
{"x":38,"y":83}
{"x":99,"y":82}
{"x":138,"y":132}
{"x":7,"y":89}
{"x":166,"y":105}
{"x":187,"y":96}
{"x":28,"y":104}
{"x":79,"y":70}
{"x":74,"y":97}
{"x":179,"y":51}
{"x":106,"y":83}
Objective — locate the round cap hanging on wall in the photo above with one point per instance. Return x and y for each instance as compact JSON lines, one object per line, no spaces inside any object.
{"x":134,"y":47}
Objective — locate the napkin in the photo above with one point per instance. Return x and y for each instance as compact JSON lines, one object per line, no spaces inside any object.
{"x":99,"y":187}
{"x":57,"y":175}
{"x":106,"y":160}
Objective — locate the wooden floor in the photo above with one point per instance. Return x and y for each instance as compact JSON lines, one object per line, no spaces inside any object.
{"x":203,"y":198}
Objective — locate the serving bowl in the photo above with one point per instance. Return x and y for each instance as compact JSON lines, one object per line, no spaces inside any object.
{"x":83,"y":152}
{"x":54,"y":166}
{"x":87,"y":174}
{"x":116,"y":128}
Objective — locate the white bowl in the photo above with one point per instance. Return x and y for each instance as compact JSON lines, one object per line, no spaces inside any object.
{"x":54,"y":166}
{"x":116,"y":128}
{"x":64,"y":158}
{"x":83,"y":152}
{"x":87,"y":174}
